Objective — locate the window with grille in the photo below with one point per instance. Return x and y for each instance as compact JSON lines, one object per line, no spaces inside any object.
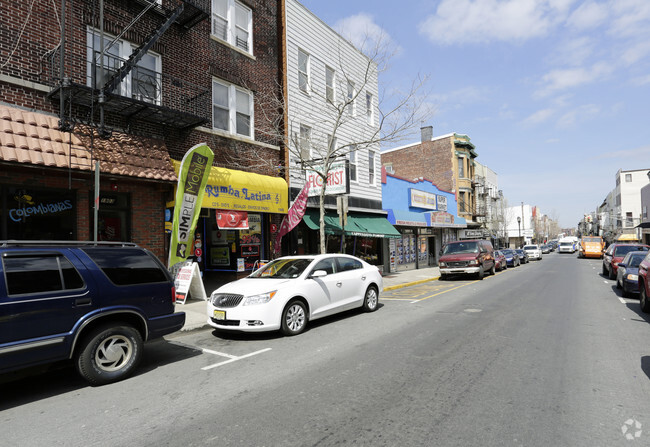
{"x":232,"y":22}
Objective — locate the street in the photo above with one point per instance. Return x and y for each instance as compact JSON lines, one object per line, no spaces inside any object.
{"x":545,"y":354}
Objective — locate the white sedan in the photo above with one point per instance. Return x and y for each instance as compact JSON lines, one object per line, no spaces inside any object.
{"x":288,"y":292}
{"x":533,"y":251}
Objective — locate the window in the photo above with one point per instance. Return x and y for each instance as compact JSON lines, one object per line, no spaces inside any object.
{"x":353,"y":163}
{"x":346,"y":264}
{"x":461,"y":167}
{"x":303,"y":71}
{"x":330,"y":93}
{"x":331,"y":144}
{"x":305,"y":142}
{"x":232,"y":22}
{"x":143,"y":82}
{"x":350,"y":98}
{"x":127,"y":266}
{"x":232,"y":109}
{"x":36,"y":274}
{"x":628,"y":177}
{"x":371,"y":168}
{"x":329,"y":265}
{"x":369,"y":114}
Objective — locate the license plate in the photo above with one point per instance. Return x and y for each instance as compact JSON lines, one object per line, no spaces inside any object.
{"x":219,"y":314}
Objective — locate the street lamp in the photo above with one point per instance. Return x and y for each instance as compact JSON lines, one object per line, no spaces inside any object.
{"x":519,"y":225}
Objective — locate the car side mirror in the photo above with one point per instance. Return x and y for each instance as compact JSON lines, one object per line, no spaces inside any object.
{"x":319,"y":274}
{"x":620,"y":264}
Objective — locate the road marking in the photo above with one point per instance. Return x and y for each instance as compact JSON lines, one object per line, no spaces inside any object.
{"x":444,"y":291}
{"x":622,"y":300}
{"x":231,"y":358}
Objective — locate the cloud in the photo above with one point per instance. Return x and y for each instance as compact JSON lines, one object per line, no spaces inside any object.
{"x":567,"y":78}
{"x":539,"y":117}
{"x":589,"y":15}
{"x":578,"y":114}
{"x":480,"y":21}
{"x":364,"y":33}
{"x":639,"y":153}
{"x":641,"y":80}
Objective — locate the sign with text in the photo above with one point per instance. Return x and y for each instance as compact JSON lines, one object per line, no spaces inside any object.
{"x":188,"y":282}
{"x":337,"y":180}
{"x":427,"y":200}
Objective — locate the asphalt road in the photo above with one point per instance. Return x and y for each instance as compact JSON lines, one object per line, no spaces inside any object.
{"x":546,"y":354}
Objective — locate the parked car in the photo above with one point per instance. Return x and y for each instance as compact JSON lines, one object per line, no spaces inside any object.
{"x":500,"y":260}
{"x":644,"y":283}
{"x":467,"y":257}
{"x":533,"y":251}
{"x":546,"y":249}
{"x":289,"y":292}
{"x":512,"y":258}
{"x":93,"y":302}
{"x":627,"y":276}
{"x":615,"y":254}
{"x":523,"y":256}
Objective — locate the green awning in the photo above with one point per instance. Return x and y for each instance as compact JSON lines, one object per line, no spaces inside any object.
{"x":363,"y":225}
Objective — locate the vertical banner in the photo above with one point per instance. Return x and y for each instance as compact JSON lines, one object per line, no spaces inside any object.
{"x":293,"y":217}
{"x":192,"y":177}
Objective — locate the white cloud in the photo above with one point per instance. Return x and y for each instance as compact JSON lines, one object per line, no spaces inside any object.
{"x":588,"y":15}
{"x":578,"y":114}
{"x":629,"y":17}
{"x":478,"y":21}
{"x":641,"y":80}
{"x":573,"y":52}
{"x":364,"y":33}
{"x":539,"y":117}
{"x":636,"y":52}
{"x":563,"y":79}
{"x":639,"y":153}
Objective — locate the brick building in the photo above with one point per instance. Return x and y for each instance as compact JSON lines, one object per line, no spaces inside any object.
{"x":447,"y":161}
{"x":171,"y":74}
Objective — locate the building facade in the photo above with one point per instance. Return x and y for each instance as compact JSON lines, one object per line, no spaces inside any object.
{"x":622,"y":212}
{"x":133,"y":86}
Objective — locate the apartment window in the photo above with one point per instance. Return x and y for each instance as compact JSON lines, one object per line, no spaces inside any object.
{"x":369,"y":114}
{"x":350,"y":97}
{"x":628,"y":177}
{"x":353,"y":163}
{"x":232,"y":109}
{"x":629,"y":221}
{"x":331,"y":144}
{"x":371,"y":168}
{"x":329,"y":85}
{"x":232,"y":22}
{"x":461,"y":167}
{"x":461,"y":202}
{"x":305,"y":142}
{"x":303,"y":71}
{"x":143,"y":82}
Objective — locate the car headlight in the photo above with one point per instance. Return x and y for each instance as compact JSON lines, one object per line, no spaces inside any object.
{"x":632,"y":277}
{"x":473,"y":262}
{"x":262,"y":298}
{"x":442,"y":264}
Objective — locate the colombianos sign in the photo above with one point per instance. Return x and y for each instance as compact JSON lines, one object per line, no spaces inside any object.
{"x":337,"y":180}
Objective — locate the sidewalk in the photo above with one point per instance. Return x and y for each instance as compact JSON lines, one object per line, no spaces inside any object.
{"x":195,"y":310}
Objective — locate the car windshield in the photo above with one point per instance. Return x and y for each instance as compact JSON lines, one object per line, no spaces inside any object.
{"x":591,"y":239}
{"x":461,"y":247}
{"x":622,"y":250}
{"x":282,"y":268}
{"x":565,"y":244}
{"x":507,"y":252}
{"x":530,"y":247}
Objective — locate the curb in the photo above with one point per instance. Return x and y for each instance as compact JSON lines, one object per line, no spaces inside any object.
{"x":413,"y":283}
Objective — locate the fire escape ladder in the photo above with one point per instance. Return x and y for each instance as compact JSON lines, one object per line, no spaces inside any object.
{"x":137,"y":54}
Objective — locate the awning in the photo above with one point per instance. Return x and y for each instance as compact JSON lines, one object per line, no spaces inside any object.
{"x":362,"y":225}
{"x":230,"y":189}
{"x":627,"y":237}
{"x":643,"y":225}
{"x":407,"y":218}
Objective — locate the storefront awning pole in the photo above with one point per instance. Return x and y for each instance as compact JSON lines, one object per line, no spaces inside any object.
{"x":96,"y":210}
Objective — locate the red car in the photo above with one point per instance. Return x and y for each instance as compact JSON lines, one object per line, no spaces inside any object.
{"x":644,"y":283}
{"x":500,"y":260}
{"x":615,"y":254}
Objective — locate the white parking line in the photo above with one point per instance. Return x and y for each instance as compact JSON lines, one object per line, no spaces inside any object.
{"x":232,"y":358}
{"x":622,"y":300}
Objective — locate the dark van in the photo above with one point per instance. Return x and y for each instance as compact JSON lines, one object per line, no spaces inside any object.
{"x":467,"y":257}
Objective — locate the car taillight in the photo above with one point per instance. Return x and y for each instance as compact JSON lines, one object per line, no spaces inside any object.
{"x":173,"y":294}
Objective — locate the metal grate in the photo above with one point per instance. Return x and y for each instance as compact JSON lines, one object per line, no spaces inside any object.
{"x":226,"y":300}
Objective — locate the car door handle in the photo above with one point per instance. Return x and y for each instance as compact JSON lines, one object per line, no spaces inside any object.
{"x":339,"y":284}
{"x":82,"y":302}
{"x":363,"y":278}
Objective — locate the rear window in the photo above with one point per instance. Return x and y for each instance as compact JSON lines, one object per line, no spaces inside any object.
{"x":530,"y":247}
{"x":592,"y":239}
{"x":622,"y":250}
{"x":346,"y":264}
{"x":39,"y":274}
{"x":128,"y":266}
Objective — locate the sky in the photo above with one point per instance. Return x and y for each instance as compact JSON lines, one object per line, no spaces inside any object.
{"x":554,"y":94}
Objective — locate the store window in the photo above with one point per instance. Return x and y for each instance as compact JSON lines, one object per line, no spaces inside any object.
{"x":33,"y":213}
{"x":234,"y":249}
{"x":114,"y":217}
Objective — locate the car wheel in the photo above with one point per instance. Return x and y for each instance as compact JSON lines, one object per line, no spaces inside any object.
{"x":480,"y":273}
{"x":618,"y":284}
{"x":643,"y":300}
{"x":605,"y":272}
{"x":626,"y":294}
{"x":371,"y":300}
{"x":493,"y":270}
{"x":612,"y":275}
{"x":109,"y":353}
{"x":294,"y":318}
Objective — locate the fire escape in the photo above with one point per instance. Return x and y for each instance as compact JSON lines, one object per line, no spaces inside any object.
{"x":98,"y":84}
{"x":482,"y":197}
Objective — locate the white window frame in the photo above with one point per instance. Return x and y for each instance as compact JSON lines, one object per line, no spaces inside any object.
{"x":353,"y":164}
{"x":304,"y":142}
{"x":372,"y":168}
{"x":122,"y":50}
{"x":370,"y":115}
{"x":232,"y":10}
{"x":304,"y":76}
{"x":232,"y":109}
{"x":350,"y":98}
{"x":330,"y":90}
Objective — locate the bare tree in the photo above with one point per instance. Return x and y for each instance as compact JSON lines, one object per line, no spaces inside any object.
{"x":396,"y":114}
{"x":501,"y":218}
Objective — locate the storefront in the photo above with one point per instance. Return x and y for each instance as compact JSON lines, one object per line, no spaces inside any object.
{"x":240,"y":213}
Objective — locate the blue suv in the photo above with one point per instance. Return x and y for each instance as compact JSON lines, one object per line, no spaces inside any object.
{"x":93,"y":302}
